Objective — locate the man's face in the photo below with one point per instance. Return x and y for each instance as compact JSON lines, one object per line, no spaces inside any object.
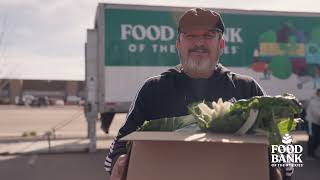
{"x":199,"y":50}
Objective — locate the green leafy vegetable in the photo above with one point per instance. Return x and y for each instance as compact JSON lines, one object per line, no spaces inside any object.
{"x":168,"y":124}
{"x":275,"y":117}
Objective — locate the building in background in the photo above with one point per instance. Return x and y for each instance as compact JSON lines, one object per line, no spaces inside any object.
{"x":70,"y":92}
{"x":57,"y":79}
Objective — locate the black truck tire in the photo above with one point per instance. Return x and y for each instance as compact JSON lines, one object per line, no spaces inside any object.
{"x":106,"y":120}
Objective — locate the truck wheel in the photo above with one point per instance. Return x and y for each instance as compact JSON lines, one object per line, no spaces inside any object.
{"x":106,"y":120}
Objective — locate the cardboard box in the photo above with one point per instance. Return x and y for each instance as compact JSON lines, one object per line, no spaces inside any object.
{"x":202,"y":156}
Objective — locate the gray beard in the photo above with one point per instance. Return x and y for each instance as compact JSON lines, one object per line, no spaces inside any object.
{"x":204,"y":65}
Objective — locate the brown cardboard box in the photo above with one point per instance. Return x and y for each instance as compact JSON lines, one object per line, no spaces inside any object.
{"x":202,"y":156}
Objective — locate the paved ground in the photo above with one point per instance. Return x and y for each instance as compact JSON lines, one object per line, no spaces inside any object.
{"x":66,"y":166}
{"x":68,"y":120}
{"x":29,"y":158}
{"x":23,"y":129}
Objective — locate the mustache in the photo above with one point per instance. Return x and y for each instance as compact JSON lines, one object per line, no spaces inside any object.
{"x":202,"y":49}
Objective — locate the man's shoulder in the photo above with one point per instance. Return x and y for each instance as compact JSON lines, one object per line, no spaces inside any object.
{"x":162,"y":83}
{"x":236,"y":77}
{"x":163,"y":78}
{"x":244,"y":83}
{"x":241,"y":77}
{"x":153,"y":80}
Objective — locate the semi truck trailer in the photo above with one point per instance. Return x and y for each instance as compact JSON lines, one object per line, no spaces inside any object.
{"x":129,"y":43}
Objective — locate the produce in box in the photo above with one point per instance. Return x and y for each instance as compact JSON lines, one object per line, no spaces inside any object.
{"x":273,"y":116}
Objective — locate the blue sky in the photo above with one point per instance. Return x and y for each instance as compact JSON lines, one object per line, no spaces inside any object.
{"x":46,"y":38}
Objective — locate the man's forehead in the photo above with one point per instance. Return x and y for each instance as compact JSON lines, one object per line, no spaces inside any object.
{"x":199,"y":29}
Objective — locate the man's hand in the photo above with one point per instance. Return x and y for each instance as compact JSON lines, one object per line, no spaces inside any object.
{"x":275,"y":174}
{"x":119,"y":168}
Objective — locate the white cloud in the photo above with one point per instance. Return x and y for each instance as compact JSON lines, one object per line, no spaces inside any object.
{"x":53,"y":31}
{"x":42,"y":68}
{"x":53,"y":28}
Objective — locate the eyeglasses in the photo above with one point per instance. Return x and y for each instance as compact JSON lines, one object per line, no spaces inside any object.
{"x":207,"y":36}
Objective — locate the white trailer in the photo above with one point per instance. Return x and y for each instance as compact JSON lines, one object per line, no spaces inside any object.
{"x":130,"y":43}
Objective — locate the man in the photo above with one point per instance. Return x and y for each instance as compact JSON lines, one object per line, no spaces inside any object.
{"x":199,"y":77}
{"x":313,"y":117}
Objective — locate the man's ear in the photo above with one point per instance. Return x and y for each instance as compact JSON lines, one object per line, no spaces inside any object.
{"x":221,"y":45}
{"x":178,"y":43}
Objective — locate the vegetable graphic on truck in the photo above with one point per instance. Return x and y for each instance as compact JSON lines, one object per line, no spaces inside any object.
{"x":289,"y":51}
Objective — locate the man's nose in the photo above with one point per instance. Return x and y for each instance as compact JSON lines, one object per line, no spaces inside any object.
{"x":199,"y":40}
